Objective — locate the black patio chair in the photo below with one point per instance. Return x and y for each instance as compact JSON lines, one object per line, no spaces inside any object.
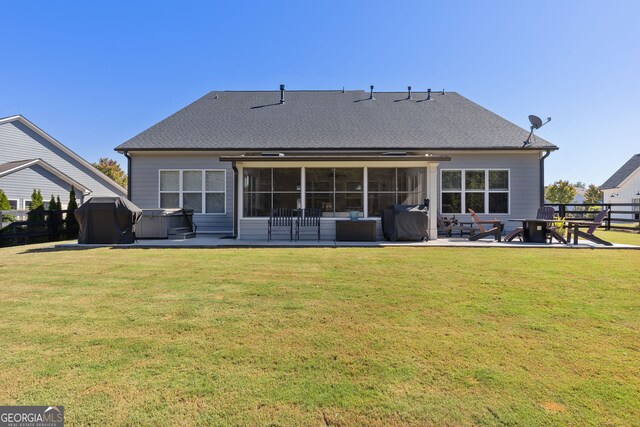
{"x":308,"y":218}
{"x":280,"y":218}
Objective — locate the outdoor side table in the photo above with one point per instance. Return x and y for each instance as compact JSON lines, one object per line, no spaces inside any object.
{"x":361,"y":230}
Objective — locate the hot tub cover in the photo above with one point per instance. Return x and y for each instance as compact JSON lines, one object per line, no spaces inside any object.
{"x":107,"y":220}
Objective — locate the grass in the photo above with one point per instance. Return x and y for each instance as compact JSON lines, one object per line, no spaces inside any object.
{"x":623,"y":237}
{"x":393,"y":336}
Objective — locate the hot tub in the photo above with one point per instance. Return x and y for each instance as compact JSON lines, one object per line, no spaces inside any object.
{"x":163,"y":223}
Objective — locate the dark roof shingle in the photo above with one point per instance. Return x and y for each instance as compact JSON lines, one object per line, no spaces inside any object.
{"x":331,"y":120}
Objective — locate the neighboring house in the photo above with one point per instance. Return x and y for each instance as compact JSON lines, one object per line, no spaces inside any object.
{"x":32,"y":159}
{"x":233,"y":156}
{"x":624,"y":185}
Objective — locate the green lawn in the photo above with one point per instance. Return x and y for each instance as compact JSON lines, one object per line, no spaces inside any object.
{"x":624,"y":237}
{"x":379,"y":336}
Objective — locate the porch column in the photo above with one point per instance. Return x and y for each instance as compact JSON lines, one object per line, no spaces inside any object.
{"x":432,"y":195}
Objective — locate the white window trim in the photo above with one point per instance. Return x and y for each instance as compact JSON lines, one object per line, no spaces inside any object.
{"x":17,"y":203}
{"x":203,"y":191}
{"x":486,"y":190}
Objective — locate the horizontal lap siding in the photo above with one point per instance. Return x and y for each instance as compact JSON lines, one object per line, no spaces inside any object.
{"x":145,"y":178}
{"x":19,"y":142}
{"x":524,"y":180}
{"x":20,"y":184}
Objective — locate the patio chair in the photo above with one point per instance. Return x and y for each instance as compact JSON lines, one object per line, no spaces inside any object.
{"x":280,"y":218}
{"x":448,"y":227}
{"x":573,"y":227}
{"x":308,"y":218}
{"x":494,"y":231}
{"x":545,"y":212}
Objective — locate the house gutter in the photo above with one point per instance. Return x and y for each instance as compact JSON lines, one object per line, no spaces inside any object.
{"x":126,"y":154}
{"x":546,"y":154}
{"x":235,"y":199}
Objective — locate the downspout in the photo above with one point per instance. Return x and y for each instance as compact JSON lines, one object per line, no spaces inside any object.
{"x":126,"y":154}
{"x":542,"y":176}
{"x":235,"y":199}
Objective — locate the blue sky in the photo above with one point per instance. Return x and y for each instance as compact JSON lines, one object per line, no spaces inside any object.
{"x":94,"y":74}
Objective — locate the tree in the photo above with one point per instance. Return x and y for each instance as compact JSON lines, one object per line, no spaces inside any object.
{"x":36,"y":200}
{"x":5,"y":206}
{"x":112,"y":169}
{"x":55,"y":219}
{"x":592,"y":195}
{"x":580,"y":184}
{"x":70,"y":223}
{"x":561,"y":192}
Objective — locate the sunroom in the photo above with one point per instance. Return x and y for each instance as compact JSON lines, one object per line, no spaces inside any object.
{"x":337,"y":185}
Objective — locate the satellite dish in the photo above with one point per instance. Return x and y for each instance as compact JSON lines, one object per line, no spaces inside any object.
{"x":536,"y":122}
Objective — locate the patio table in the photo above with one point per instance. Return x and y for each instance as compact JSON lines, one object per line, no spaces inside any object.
{"x":535,"y":229}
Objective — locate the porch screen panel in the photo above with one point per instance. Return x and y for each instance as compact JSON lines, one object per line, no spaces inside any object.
{"x":270,"y":188}
{"x":335,"y":191}
{"x":348,"y":195}
{"x":390,"y":186}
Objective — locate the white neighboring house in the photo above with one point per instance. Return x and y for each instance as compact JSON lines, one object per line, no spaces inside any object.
{"x":32,"y":159}
{"x":624,"y":185}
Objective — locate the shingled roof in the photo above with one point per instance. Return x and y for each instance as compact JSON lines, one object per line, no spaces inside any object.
{"x":332,"y":120}
{"x":623,"y":173}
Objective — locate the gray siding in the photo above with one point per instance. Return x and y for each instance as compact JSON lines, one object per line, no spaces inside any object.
{"x":145,"y":172}
{"x":19,"y":185}
{"x":524,"y":175}
{"x":19,"y":142}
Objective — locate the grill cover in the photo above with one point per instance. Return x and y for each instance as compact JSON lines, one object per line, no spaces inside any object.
{"x":405,"y":222}
{"x":107,"y":220}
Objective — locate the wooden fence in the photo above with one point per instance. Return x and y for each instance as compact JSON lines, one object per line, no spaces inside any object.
{"x":622,"y":216}
{"x":37,"y":226}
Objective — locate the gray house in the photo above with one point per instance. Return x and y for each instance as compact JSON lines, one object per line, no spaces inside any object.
{"x":30,"y":158}
{"x":233,"y":156}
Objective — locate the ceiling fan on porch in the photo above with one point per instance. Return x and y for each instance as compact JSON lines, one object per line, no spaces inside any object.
{"x":536,"y":123}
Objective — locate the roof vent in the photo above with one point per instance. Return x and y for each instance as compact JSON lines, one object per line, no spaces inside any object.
{"x":371,"y":93}
{"x":281,"y":94}
{"x":408,"y":92}
{"x":428,"y":95}
{"x":271,"y":154}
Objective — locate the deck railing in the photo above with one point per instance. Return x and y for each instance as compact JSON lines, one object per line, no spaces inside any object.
{"x":622,"y":216}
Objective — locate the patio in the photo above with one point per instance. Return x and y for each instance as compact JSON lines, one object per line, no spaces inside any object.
{"x":219,"y":241}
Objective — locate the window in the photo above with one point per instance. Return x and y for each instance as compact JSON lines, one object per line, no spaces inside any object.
{"x":200,"y":190}
{"x":269,"y":188}
{"x":483,"y":190}
{"x":335,"y":191}
{"x":389,"y":186}
{"x":13,"y":203}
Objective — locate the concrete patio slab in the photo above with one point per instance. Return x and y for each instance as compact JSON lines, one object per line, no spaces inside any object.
{"x":217,"y":241}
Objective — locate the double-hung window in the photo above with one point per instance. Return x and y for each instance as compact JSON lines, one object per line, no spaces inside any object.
{"x":483,"y":190}
{"x":200,"y":190}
